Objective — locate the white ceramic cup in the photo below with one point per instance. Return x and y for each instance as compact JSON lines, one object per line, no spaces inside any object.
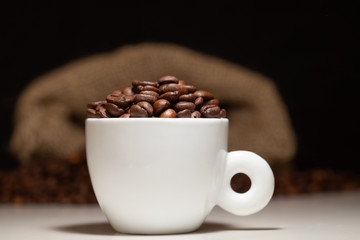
{"x":164,"y":176}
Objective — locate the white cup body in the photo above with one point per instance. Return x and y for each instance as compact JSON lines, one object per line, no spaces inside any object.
{"x":154,"y":175}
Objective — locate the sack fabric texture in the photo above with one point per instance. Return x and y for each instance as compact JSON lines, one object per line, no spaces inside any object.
{"x":50,"y":112}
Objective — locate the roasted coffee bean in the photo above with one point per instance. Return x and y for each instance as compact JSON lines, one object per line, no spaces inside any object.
{"x":170,"y":96}
{"x":128,"y":91}
{"x":204,"y":94}
{"x":113,"y":98}
{"x":93,"y":105}
{"x":182,"y":82}
{"x":168,"y":79}
{"x":114,"y":110}
{"x":210,"y":111}
{"x":212,"y":102}
{"x":116,"y":93}
{"x":172,"y":87}
{"x":144,"y":97}
{"x":147,"y":88}
{"x":150,"y":93}
{"x":199,"y":101}
{"x":185,"y":105}
{"x":126,"y":101}
{"x":223,"y":113}
{"x":168,"y":113}
{"x":190,"y":88}
{"x":138,"y":111}
{"x":195,"y":114}
{"x":102,"y":111}
{"x":160,"y":105}
{"x":123,"y":101}
{"x":91,"y":113}
{"x":186,"y":113}
{"x":147,"y":106}
{"x":136,"y":83}
{"x":125,"y":115}
{"x":187,"y":97}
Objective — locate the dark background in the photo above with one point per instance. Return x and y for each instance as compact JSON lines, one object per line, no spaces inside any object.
{"x":311,"y":52}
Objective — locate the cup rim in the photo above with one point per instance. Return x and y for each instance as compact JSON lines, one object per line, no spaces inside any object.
{"x":149,"y":119}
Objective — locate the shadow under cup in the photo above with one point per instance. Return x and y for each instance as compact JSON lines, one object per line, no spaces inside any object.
{"x":160,"y":176}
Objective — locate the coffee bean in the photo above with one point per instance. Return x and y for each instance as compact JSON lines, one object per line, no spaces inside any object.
{"x":190,"y":88}
{"x":212,"y":102}
{"x":182,"y":82}
{"x":136,"y":83}
{"x":160,"y":105}
{"x":150,"y":93}
{"x":113,"y":98}
{"x":114,"y":110}
{"x":168,"y":113}
{"x":210,"y":111}
{"x":223,"y":113}
{"x":126,"y":101}
{"x":187,"y":97}
{"x":172,"y":87}
{"x":123,"y":101}
{"x":147,"y":106}
{"x":204,"y":94}
{"x":125,"y":115}
{"x":91,"y":113}
{"x":147,"y":88}
{"x":128,"y":91}
{"x":184,"y":105}
{"x":199,"y":101}
{"x":144,"y":97}
{"x":170,"y":96}
{"x":195,"y":114}
{"x":138,"y":111}
{"x":186,"y":113}
{"x":93,"y":105}
{"x":116,"y":93}
{"x":168,"y":79}
{"x":102,"y":111}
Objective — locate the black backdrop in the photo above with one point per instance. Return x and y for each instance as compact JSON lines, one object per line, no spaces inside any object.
{"x":311,"y":51}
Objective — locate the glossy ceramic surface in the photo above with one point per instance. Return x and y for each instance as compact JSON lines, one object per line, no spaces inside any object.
{"x":160,"y":176}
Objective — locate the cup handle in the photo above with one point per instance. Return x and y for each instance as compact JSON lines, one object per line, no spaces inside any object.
{"x":262,"y":183}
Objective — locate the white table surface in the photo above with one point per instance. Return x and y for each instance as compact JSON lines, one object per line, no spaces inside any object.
{"x":321,"y":216}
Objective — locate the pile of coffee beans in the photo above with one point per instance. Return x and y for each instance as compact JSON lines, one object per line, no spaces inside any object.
{"x":48,"y":181}
{"x":168,"y":97}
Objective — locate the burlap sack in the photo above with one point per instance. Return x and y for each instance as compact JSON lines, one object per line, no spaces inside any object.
{"x":50,"y":113}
